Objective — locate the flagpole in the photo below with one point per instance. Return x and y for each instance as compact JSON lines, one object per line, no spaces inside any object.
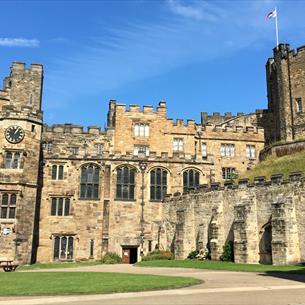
{"x":276,"y":28}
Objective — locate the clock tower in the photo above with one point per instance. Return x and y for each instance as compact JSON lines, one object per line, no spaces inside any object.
{"x":20,"y":158}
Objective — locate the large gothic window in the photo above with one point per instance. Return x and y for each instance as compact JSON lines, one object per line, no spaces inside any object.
{"x":190,"y":179}
{"x":158,"y":184}
{"x":125,"y":183}
{"x":89,"y":182}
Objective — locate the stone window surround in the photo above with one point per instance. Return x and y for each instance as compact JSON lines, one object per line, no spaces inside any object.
{"x":178,"y":145}
{"x":227,"y":150}
{"x":94,"y":183}
{"x":98,"y":148}
{"x":226,"y":172}
{"x":56,"y":176}
{"x":250,"y":151}
{"x":10,"y":206}
{"x":13,"y":160}
{"x":141,"y":130}
{"x":126,"y":185}
{"x":162,"y":185}
{"x":191,"y":178}
{"x":64,"y":203}
{"x":299,"y":105}
{"x":60,"y":236}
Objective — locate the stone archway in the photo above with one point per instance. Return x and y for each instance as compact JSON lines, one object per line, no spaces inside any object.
{"x":265,"y":244}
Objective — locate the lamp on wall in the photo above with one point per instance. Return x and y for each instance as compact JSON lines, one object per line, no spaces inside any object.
{"x":143,"y":166}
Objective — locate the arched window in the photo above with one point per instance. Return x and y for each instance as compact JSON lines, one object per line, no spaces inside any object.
{"x":89,"y":182}
{"x":125,"y":183}
{"x":190,"y":179}
{"x":158,"y":184}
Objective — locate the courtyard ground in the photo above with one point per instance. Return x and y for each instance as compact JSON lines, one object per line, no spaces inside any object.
{"x":218,"y":287}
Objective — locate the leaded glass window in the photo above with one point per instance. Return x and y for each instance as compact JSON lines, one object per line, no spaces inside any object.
{"x":158,"y":184}
{"x":190,"y":179}
{"x":8,"y":206}
{"x":89,"y":185}
{"x":125,"y":183}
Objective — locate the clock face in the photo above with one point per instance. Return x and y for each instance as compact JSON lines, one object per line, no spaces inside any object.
{"x":14,"y":134}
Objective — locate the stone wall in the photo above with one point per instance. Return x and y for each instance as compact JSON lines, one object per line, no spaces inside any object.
{"x":286,"y":87}
{"x":265,"y":220}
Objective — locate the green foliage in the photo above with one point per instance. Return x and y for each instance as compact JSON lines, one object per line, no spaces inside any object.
{"x":158,"y":255}
{"x":193,"y":254}
{"x":228,"y":252}
{"x":111,"y":258}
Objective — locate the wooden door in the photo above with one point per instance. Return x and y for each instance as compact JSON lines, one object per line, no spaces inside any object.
{"x":126,"y":256}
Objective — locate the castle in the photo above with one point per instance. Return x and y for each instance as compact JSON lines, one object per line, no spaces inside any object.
{"x":73,"y":194}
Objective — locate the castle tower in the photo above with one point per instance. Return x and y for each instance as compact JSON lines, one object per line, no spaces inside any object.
{"x":20,"y":141}
{"x":286,"y":94}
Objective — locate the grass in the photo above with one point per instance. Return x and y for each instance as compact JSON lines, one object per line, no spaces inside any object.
{"x":277,"y":165}
{"x":64,"y":283}
{"x":57,"y":265}
{"x":218,"y":265}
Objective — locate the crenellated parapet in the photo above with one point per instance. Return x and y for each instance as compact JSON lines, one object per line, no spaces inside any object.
{"x":263,"y":219}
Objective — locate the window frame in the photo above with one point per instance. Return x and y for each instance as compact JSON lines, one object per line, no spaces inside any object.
{"x":65,"y":202}
{"x":178,"y":144}
{"x":299,"y":105}
{"x":89,"y":184}
{"x":193,"y":181}
{"x":98,"y":148}
{"x":141,"y":130}
{"x":58,"y":173}
{"x":227,"y":150}
{"x":125,"y":183}
{"x":162,"y":185}
{"x":12,"y":162}
{"x":10,"y":207}
{"x":226,"y":172}
{"x":64,"y":248}
{"x":250,"y":151}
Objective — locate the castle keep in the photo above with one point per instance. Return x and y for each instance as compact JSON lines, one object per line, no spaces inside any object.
{"x":70,"y":193}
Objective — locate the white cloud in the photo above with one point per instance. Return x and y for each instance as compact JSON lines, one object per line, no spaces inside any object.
{"x":199,"y":11}
{"x":19,"y":42}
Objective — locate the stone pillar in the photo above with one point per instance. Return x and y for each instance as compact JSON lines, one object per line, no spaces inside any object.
{"x":285,"y":240}
{"x":216,"y":230}
{"x":246,"y":248}
{"x":185,"y":231}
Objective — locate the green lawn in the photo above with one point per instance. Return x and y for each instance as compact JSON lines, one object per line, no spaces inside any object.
{"x":63,"y":283}
{"x":273,"y":165}
{"x":218,"y":265}
{"x":57,"y":265}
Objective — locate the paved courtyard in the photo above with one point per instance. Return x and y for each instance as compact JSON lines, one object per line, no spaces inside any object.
{"x":218,"y":287}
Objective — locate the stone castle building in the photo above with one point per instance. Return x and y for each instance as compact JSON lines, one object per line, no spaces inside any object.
{"x":69,"y":193}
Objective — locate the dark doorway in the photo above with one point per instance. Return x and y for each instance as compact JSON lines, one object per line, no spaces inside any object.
{"x":129,"y":255}
{"x":265,"y":244}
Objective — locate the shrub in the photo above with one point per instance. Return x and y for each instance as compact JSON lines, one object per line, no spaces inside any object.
{"x":193,"y":254}
{"x":156,"y":255}
{"x":228,"y":252}
{"x":111,"y":258}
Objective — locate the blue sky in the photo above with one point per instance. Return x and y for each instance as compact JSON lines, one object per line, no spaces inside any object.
{"x":196,"y":55}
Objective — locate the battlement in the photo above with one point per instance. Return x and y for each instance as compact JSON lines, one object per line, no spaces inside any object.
{"x":236,"y":129}
{"x":73,"y":129}
{"x":276,"y":179}
{"x":217,"y":118}
{"x":284,"y":49}
{"x":135,"y":108}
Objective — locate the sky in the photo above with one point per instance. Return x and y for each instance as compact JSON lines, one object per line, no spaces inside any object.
{"x":196,"y":55}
